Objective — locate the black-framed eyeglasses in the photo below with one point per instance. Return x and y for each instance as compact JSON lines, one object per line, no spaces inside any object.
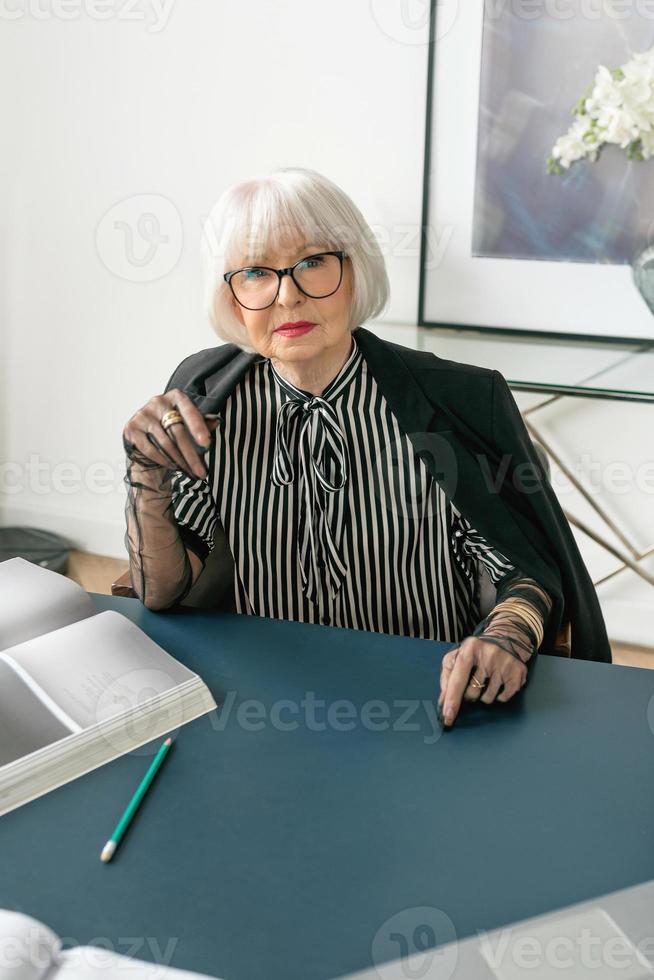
{"x":256,"y":287}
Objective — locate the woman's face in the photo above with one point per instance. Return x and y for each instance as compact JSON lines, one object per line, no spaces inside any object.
{"x":331,"y":315}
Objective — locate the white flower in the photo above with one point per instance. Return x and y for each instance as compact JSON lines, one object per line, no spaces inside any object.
{"x":619,"y":110}
{"x":572,"y":146}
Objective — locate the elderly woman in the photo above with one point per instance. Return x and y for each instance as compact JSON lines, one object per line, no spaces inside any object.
{"x":352,"y":481}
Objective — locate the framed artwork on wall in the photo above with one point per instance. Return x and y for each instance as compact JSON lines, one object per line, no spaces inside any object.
{"x":506,"y":246}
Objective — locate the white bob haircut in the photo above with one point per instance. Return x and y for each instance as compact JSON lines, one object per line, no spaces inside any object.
{"x":270,"y":215}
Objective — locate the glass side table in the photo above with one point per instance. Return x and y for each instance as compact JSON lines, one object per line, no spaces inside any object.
{"x":556,"y":368}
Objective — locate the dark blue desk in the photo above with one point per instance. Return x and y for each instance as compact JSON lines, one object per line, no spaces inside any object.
{"x":272,"y":853}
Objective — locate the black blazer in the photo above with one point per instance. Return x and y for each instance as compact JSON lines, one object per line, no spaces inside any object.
{"x":465,"y":424}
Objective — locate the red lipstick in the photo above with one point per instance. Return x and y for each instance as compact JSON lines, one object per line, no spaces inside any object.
{"x":295,"y":328}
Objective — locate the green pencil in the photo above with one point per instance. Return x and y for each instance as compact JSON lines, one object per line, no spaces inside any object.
{"x":131,"y":808}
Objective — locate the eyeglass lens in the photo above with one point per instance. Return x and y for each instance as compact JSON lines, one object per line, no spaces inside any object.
{"x":317,"y":276}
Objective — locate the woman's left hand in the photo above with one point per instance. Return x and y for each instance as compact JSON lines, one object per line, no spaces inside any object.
{"x":476,"y":670}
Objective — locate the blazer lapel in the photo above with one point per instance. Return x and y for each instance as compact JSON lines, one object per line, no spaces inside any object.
{"x":407,"y":401}
{"x":427,"y":425}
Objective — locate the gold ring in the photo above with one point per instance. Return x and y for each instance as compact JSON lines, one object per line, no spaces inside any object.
{"x":171,"y":418}
{"x":475,"y":682}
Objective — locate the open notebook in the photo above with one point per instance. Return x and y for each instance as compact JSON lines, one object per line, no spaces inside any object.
{"x":77,"y":687}
{"x":32,"y":951}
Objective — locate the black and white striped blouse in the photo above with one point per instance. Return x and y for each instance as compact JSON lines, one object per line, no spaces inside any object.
{"x":329,"y":514}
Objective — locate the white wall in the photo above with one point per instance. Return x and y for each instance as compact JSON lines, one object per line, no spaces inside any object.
{"x":155,"y":109}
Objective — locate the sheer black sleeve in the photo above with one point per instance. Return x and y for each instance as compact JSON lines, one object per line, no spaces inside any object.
{"x":163,"y":508}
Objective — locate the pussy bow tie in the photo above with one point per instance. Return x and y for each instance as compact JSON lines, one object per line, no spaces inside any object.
{"x":320,"y":437}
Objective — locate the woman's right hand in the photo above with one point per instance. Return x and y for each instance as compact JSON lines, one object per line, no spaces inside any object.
{"x":149,"y":444}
